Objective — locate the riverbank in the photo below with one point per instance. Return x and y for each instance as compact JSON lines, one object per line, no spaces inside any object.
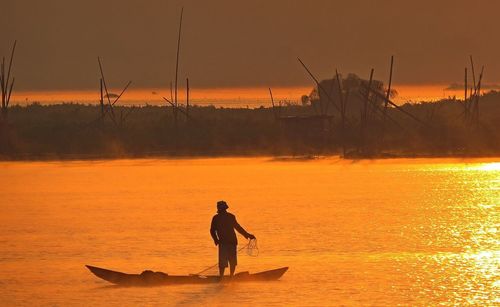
{"x":173,"y":156}
{"x":77,"y":131}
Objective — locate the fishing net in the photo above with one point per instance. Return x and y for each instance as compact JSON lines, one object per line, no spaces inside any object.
{"x":250,"y":248}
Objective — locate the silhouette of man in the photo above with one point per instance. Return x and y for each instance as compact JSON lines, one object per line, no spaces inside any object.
{"x":222,"y":231}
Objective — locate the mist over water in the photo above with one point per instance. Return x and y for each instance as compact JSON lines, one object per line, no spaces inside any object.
{"x":416,"y":232}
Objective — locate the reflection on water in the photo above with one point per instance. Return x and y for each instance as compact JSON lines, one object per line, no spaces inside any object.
{"x":389,"y":232}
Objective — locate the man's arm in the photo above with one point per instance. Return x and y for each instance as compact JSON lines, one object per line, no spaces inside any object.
{"x":242,"y":231}
{"x":213,"y":232}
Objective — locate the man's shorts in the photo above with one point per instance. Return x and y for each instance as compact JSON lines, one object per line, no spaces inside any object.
{"x":227,"y":253}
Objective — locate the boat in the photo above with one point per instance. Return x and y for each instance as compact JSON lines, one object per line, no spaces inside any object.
{"x":150,"y":278}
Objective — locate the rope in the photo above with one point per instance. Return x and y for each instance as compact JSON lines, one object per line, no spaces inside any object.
{"x":251,"y":248}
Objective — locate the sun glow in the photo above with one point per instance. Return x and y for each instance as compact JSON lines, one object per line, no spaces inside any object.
{"x":495,"y":166}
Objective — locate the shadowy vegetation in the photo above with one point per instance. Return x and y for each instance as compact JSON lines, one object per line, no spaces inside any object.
{"x":78,"y":131}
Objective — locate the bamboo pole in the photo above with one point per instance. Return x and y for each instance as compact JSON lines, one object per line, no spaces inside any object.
{"x":187,"y":97}
{"x":399,"y":108}
{"x":106,"y":90}
{"x":364,"y":112}
{"x":386,"y":104}
{"x":174,"y":110}
{"x":472,"y":103}
{"x":2,"y":83}
{"x":465,"y":95}
{"x":478,"y":94}
{"x":473,"y":72}
{"x":380,"y":110}
{"x":171,"y":92}
{"x":10,"y":93}
{"x":123,"y":91}
{"x":339,"y":87}
{"x":6,"y":85}
{"x":176,"y":107}
{"x":272,"y":102}
{"x":10,"y":62}
{"x":177,"y":63}
{"x":342,"y":111}
{"x":319,"y":85}
{"x":471,"y":94}
{"x":388,"y":95}
{"x":101,"y":99}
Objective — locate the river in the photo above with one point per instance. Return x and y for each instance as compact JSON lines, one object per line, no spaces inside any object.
{"x":387,"y":232}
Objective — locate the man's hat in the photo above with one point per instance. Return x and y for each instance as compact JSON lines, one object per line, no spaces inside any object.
{"x":222,"y":205}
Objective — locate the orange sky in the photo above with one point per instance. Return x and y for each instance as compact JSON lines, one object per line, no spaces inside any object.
{"x":247,"y":43}
{"x":254,"y":96}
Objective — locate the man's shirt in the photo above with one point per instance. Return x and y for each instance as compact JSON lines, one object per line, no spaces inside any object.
{"x":223,"y":226}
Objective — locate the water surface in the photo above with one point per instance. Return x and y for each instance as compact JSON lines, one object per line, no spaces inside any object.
{"x":411,"y":232}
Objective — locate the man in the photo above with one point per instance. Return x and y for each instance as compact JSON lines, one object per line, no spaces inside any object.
{"x":222,"y":231}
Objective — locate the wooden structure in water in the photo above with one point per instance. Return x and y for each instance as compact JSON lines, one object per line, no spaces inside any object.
{"x":363,"y":109}
{"x":310,"y":130}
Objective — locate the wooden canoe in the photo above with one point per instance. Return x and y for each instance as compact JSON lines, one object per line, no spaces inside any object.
{"x":149,"y":278}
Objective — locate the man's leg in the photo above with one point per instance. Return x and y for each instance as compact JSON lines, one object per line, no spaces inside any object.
{"x":223,"y":259}
{"x":232,"y":259}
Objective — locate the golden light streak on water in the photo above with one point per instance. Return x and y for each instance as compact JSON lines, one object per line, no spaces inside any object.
{"x":490,"y":167}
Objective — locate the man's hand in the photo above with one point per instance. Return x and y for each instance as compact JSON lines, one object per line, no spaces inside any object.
{"x":216,"y":242}
{"x":251,"y":236}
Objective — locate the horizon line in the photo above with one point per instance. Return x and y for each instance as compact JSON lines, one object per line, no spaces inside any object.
{"x":251,"y":94}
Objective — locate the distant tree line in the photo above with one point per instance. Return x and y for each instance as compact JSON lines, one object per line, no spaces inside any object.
{"x":78,"y":131}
